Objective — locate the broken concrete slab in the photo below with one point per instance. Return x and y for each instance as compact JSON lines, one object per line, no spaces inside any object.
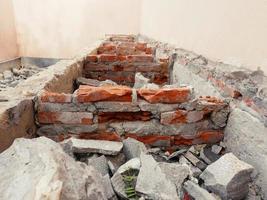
{"x":95,"y":146}
{"x":197,"y":192}
{"x":216,"y":149}
{"x":152,"y":182}
{"x":133,"y":148}
{"x":228,"y":177}
{"x":39,"y":168}
{"x":194,"y":171}
{"x":110,"y":194}
{"x":119,"y":185}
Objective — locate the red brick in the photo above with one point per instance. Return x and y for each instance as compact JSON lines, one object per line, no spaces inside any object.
{"x":172,"y":95}
{"x":160,"y":78}
{"x":108,"y":58}
{"x":140,"y":58}
{"x":95,"y":67}
{"x":150,"y":139}
{"x":141,"y":46}
{"x":149,"y":50}
{"x":105,"y":93}
{"x":91,"y":58}
{"x":123,"y":116}
{"x":65,"y":118}
{"x":181,"y":116}
{"x":117,"y":76}
{"x":107,"y":48}
{"x":100,"y":136}
{"x":53,"y":97}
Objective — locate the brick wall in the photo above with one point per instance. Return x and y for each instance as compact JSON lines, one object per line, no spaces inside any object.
{"x":163,"y":117}
{"x":120,"y":57}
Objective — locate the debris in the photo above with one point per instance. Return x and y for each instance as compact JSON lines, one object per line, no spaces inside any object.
{"x":140,"y":80}
{"x":133,"y":148}
{"x":39,"y":168}
{"x":195,"y":161}
{"x":110,"y":194}
{"x":95,"y":146}
{"x":228,"y":177}
{"x":197,"y":192}
{"x":216,"y":149}
{"x":131,"y":164}
{"x":208,"y":156}
{"x":152,"y":182}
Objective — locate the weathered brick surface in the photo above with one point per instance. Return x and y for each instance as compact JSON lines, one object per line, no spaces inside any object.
{"x":181,"y":116}
{"x":107,"y":93}
{"x":65,"y":118}
{"x":125,"y":116}
{"x":173,"y":95}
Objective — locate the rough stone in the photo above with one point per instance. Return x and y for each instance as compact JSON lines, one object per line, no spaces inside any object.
{"x":194,"y":171}
{"x":156,"y":108}
{"x":119,"y":185}
{"x":110,"y":194}
{"x":197,"y":192}
{"x":216,"y":149}
{"x":228,"y":177}
{"x":95,"y":146}
{"x":152,"y":182}
{"x":133,"y":148}
{"x":87,"y":81}
{"x":140,"y":80}
{"x":39,"y":169}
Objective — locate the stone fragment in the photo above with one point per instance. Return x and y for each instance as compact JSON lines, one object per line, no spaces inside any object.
{"x":195,"y":161}
{"x":176,"y":154}
{"x":219,"y":118}
{"x":176,"y":95}
{"x":216,"y":149}
{"x":107,"y":83}
{"x":116,"y":161}
{"x":111,"y":167}
{"x":156,"y":108}
{"x":111,"y":106}
{"x":131,"y":164}
{"x":176,"y":173}
{"x":197,"y":192}
{"x":140,"y":80}
{"x":95,"y":146}
{"x":100,"y":164}
{"x":104,"y":93}
{"x":53,"y":97}
{"x":152,"y":182}
{"x":228,"y":177}
{"x":181,"y":116}
{"x":39,"y":169}
{"x":133,"y":148}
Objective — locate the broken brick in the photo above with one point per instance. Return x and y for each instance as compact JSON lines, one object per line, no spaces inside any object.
{"x":53,"y":97}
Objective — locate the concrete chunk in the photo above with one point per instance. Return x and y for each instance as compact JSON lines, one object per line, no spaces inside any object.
{"x":228,"y":177}
{"x":133,"y":148}
{"x":152,"y":182}
{"x":195,"y":161}
{"x":95,"y":146}
{"x":100,"y":164}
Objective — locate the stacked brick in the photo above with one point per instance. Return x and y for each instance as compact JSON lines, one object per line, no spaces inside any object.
{"x":161,"y":117}
{"x":120,"y":57}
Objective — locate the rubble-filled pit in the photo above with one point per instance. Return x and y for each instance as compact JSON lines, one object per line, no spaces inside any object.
{"x":124,"y":111}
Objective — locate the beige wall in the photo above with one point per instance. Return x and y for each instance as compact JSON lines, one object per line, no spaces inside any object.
{"x":60,"y":28}
{"x":234,"y":31}
{"x":8,"y":41}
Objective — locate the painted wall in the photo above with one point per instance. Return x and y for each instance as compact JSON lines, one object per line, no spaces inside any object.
{"x":233,"y":31}
{"x":8,"y":41}
{"x":60,"y":28}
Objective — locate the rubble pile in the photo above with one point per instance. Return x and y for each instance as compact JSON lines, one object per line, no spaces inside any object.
{"x":120,"y":170}
{"x":11,"y":78}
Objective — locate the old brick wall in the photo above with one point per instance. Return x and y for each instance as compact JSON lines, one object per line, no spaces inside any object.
{"x":120,"y":57}
{"x":163,"y":117}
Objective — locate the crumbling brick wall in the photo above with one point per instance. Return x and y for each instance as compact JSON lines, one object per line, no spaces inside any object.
{"x":162,"y":117}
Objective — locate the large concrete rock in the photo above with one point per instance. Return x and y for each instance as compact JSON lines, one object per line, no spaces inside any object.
{"x":228,"y":177}
{"x":39,"y":169}
{"x":152,"y":182}
{"x":245,"y":136}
